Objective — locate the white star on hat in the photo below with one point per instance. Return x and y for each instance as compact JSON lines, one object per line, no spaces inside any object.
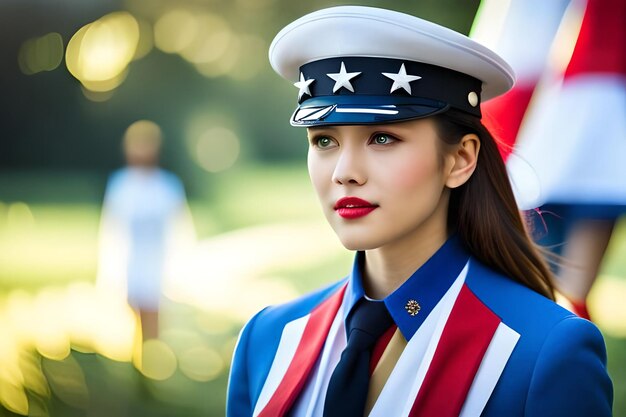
{"x":401,"y":79}
{"x":342,"y":79}
{"x":303,"y":85}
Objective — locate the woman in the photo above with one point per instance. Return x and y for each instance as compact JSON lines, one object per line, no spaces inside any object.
{"x":449,"y":309}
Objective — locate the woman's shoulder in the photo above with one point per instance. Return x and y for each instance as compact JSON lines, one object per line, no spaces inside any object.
{"x":559,"y":358}
{"x":516,"y":304}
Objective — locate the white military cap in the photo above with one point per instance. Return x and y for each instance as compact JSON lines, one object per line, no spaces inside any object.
{"x":364,"y":65}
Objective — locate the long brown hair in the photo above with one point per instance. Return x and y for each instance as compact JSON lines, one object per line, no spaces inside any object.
{"x":484,"y":213}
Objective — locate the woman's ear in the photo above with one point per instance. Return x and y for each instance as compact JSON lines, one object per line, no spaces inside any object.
{"x":464,"y":158}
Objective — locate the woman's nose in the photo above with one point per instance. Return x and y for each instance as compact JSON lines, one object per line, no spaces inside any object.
{"x":350,"y":168}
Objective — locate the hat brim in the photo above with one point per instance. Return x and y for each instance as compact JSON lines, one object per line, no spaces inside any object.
{"x":344,"y":110}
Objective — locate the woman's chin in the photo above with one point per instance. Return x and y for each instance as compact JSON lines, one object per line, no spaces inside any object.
{"x":356,"y":244}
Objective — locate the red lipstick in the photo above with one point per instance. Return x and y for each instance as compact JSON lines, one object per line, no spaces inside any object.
{"x":353,"y":207}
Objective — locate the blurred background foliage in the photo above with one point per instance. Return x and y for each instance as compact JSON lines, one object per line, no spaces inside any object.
{"x":74,"y":74}
{"x":189,"y":65}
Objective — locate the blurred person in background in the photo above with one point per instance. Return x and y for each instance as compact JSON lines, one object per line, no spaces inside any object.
{"x":449,"y":310}
{"x":572,"y":133}
{"x":145,"y":226}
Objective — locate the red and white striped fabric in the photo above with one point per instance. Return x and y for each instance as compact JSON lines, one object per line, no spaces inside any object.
{"x":574,"y":135}
{"x":522,"y":32}
{"x":448,"y":368}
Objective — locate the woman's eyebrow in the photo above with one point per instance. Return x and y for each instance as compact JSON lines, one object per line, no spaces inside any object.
{"x":316,"y":131}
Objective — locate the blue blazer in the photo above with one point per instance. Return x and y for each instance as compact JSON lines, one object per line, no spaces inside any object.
{"x":556,"y":368}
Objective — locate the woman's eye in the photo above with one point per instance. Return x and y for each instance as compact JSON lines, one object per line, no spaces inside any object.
{"x":382,"y":139}
{"x":323,"y":142}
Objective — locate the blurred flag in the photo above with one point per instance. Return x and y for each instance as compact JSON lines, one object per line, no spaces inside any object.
{"x":574,"y":134}
{"x":522,"y":32}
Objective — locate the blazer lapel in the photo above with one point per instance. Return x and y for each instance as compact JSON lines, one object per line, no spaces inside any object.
{"x":465,"y":339}
{"x":494,"y":361}
{"x":307,"y":352}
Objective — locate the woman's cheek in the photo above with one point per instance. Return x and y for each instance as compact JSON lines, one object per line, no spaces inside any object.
{"x":411,"y":174}
{"x":320,"y":172}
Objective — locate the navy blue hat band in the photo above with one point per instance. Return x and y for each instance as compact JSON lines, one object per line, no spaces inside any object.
{"x":344,"y":109}
{"x":333,"y":90}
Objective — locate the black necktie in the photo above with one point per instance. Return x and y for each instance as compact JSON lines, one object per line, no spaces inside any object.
{"x":347,"y":389}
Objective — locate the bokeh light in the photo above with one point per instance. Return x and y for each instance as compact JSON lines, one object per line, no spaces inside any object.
{"x":48,"y":324}
{"x":226,"y":63}
{"x":111,"y":334}
{"x":13,"y":397}
{"x":104,"y":87}
{"x":99,"y":53}
{"x":201,"y":363}
{"x":98,"y":96}
{"x":250,"y":59}
{"x":606,"y":302}
{"x":158,"y":361}
{"x":217,"y":149}
{"x":207,"y":41}
{"x":34,"y":379}
{"x":41,"y":54}
{"x":9,"y":355}
{"x":211,"y":40}
{"x":146,"y":39}
{"x":175,"y":30}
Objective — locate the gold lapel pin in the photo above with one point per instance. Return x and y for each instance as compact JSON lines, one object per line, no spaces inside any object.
{"x":412,"y":307}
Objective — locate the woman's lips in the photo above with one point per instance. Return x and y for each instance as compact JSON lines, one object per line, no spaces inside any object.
{"x":353,"y":207}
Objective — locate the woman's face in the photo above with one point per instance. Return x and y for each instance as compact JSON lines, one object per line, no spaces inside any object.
{"x":380,"y":185}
